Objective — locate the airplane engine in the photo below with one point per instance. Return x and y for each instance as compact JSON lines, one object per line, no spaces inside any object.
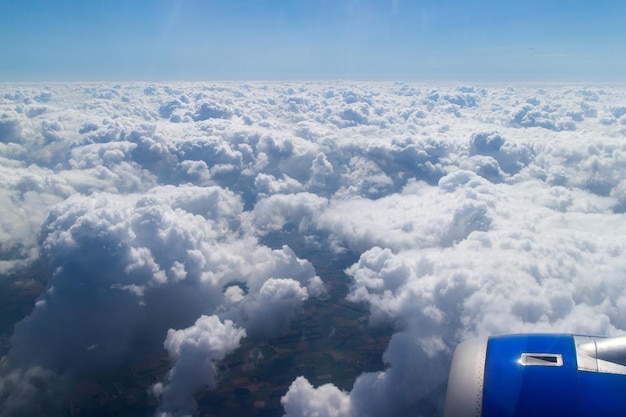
{"x":538,"y":375}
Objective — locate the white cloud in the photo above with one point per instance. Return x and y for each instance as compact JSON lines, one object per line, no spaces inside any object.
{"x":274,"y":212}
{"x":509,"y":260}
{"x":194,"y":351}
{"x":268,"y":185}
{"x":273,"y":306}
{"x":128,"y":267}
{"x":302,"y":400}
{"x":473,"y":211}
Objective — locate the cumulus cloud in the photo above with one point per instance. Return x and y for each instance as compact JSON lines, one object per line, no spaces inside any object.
{"x":274,"y":305}
{"x":471,"y":211}
{"x":194,"y":351}
{"x":325,"y":401}
{"x":495,"y":263}
{"x":127,"y":268}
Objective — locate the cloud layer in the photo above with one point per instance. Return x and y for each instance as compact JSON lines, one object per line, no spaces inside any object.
{"x":473,"y":211}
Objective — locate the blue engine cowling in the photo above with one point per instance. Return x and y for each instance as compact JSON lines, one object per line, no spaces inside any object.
{"x":538,"y":375}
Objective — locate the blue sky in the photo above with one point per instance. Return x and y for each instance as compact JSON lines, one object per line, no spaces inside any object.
{"x":482,"y":40}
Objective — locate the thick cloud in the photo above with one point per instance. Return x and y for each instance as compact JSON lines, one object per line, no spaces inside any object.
{"x":472,"y":211}
{"x":496,"y":259}
{"x":128,"y":268}
{"x":194,"y":350}
{"x":325,"y":401}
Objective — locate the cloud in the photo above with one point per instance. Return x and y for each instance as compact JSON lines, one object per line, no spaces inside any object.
{"x":273,"y":306}
{"x":34,"y":391}
{"x":194,"y":351}
{"x":511,"y":158}
{"x":325,"y":401}
{"x":500,"y":263}
{"x":127,"y":268}
{"x":470,"y":211}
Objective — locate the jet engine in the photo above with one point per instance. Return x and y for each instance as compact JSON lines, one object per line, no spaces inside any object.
{"x":538,"y":375}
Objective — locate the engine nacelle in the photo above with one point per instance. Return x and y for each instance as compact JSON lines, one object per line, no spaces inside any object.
{"x":538,"y":375}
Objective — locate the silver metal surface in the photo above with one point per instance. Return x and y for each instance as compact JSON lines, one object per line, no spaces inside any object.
{"x":597,"y":354}
{"x":467,"y":377}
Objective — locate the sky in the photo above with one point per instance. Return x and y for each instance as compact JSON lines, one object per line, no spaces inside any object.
{"x":470,"y":211}
{"x":485,"y":40}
